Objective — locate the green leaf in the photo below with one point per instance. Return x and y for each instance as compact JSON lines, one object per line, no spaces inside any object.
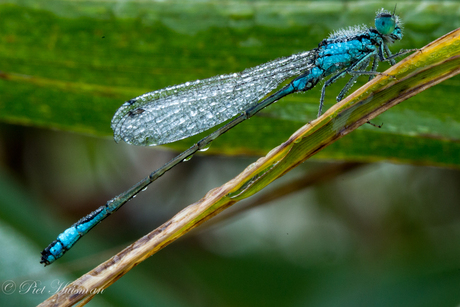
{"x":69,"y":65}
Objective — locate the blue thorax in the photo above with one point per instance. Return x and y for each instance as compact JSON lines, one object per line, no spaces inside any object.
{"x":348,"y":46}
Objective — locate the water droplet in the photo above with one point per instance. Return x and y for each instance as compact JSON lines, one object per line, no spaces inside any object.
{"x":188,"y":158}
{"x":206,"y":147}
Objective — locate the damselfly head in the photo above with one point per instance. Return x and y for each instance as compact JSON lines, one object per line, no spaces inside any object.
{"x":389,"y":25}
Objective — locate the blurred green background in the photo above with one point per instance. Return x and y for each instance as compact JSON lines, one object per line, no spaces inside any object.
{"x":383,"y":234}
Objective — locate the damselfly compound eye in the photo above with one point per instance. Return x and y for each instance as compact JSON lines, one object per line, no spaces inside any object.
{"x":385,"y":23}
